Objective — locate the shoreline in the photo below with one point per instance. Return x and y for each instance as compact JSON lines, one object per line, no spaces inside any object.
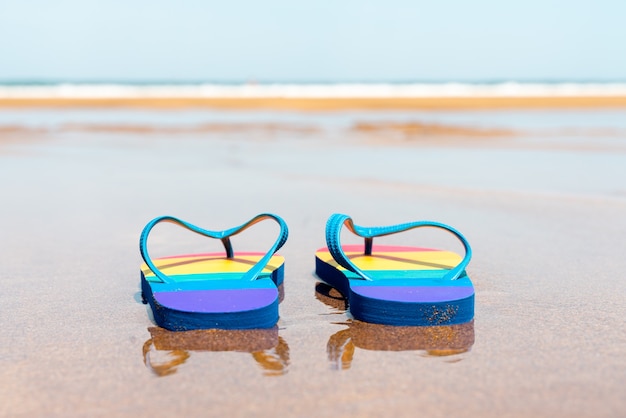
{"x":320,"y":104}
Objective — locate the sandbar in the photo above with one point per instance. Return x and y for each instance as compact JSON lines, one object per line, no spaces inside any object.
{"x":321,"y":104}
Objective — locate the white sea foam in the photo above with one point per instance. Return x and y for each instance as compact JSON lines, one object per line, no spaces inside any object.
{"x":417,"y":90}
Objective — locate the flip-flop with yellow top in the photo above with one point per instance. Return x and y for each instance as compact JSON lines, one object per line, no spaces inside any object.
{"x":230,"y":290}
{"x":395,"y":285}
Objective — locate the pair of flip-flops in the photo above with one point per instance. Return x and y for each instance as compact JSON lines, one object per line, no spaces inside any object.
{"x":388,"y":285}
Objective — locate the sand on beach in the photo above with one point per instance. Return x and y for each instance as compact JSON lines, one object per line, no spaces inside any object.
{"x":317,"y":104}
{"x":539,"y":193}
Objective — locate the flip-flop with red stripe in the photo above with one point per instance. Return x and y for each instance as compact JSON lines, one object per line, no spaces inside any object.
{"x":231,"y":290}
{"x":395,"y":285}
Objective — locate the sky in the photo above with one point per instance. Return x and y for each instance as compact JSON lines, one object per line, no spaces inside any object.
{"x":321,"y":40}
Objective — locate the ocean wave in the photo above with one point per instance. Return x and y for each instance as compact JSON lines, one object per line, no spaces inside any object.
{"x":382,"y":90}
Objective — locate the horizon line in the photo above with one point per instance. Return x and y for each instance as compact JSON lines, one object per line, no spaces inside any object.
{"x":44,"y":81}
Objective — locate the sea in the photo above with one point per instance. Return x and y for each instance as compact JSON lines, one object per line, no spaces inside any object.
{"x":518,"y":142}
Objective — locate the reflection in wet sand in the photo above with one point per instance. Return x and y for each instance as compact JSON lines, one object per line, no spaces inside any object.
{"x":166,"y":350}
{"x":436,"y":341}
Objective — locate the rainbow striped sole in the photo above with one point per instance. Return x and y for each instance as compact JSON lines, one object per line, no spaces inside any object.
{"x":407,"y":286}
{"x":206,"y":291}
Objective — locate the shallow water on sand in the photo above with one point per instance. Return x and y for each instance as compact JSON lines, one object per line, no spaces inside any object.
{"x":543,"y":206}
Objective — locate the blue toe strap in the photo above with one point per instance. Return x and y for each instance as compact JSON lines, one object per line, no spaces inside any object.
{"x":223,"y":236}
{"x":337,"y":221}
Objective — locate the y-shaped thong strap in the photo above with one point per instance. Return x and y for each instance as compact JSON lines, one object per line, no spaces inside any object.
{"x":224,"y":236}
{"x":337,"y":221}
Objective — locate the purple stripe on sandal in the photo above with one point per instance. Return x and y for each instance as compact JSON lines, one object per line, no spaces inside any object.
{"x":217,"y":301}
{"x":415,"y":294}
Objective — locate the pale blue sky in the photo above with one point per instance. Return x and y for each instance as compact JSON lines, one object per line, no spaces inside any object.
{"x":323,"y":40}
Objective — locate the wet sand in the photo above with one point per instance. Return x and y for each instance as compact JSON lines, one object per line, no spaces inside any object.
{"x":543,"y":213}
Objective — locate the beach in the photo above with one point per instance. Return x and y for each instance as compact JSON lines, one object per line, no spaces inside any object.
{"x":322,"y":104}
{"x":537,"y":185}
